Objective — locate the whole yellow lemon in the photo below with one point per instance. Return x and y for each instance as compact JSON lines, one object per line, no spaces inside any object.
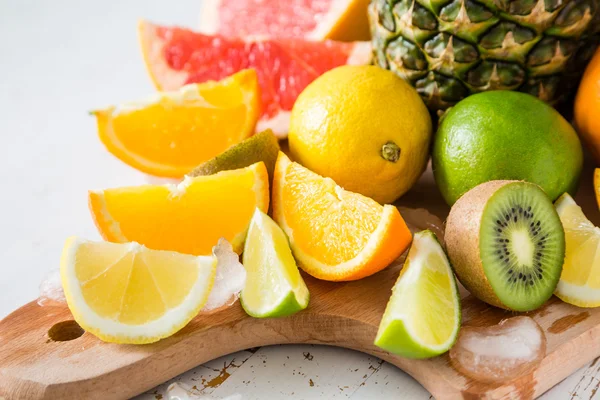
{"x":363,"y":127}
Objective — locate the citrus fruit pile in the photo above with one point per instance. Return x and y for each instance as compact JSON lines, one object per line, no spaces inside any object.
{"x":285,"y":66}
{"x":216,"y":91}
{"x":360,"y":137}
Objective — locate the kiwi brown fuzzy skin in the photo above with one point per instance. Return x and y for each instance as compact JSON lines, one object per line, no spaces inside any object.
{"x":263,"y":146}
{"x":462,"y":241}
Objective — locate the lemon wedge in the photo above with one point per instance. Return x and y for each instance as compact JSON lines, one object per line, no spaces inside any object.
{"x":579,"y":282}
{"x":126,"y":293}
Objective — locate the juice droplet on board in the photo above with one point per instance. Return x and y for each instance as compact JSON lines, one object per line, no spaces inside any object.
{"x":499,"y":352}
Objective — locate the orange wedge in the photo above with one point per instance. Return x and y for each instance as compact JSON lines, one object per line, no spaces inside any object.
{"x":335,"y":234}
{"x":189,"y":217}
{"x":171,"y":133}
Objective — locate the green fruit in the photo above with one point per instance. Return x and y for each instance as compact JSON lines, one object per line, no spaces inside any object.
{"x":422,"y":317}
{"x":274,"y":286}
{"x":449,"y":49}
{"x":261,"y":147}
{"x":505,"y":135}
{"x":507,"y":244}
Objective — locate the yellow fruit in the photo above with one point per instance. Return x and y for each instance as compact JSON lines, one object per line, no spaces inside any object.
{"x":125,"y":293}
{"x":334,"y":234}
{"x":579,"y":282}
{"x":171,"y":133}
{"x":372,"y":137}
{"x":189,"y":217}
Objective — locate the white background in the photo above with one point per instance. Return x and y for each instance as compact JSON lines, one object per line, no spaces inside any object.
{"x":58,"y":60}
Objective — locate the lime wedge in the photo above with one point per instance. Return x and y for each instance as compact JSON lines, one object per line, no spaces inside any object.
{"x":274,"y":287}
{"x":422,"y":317}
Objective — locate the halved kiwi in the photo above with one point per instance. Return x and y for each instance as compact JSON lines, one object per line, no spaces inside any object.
{"x":507,"y":244}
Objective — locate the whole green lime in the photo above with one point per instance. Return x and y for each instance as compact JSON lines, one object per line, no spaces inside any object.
{"x":505,"y":135}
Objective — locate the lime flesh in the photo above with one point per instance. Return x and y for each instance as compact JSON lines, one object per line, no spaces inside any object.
{"x":422,"y":317}
{"x":274,"y":286}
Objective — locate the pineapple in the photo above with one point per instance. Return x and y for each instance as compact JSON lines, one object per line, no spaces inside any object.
{"x":449,"y":49}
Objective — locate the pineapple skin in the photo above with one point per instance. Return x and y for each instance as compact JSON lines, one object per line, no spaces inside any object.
{"x":449,"y":49}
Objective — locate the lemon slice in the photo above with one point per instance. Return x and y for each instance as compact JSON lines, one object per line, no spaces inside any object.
{"x":274,"y":287}
{"x":422,"y":317}
{"x":579,"y":282}
{"x":126,"y":293}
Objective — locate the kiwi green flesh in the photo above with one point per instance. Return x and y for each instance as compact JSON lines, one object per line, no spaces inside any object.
{"x":522,"y":246}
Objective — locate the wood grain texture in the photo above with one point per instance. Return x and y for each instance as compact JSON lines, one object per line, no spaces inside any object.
{"x":340,"y":314}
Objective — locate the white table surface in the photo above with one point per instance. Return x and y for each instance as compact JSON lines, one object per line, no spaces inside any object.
{"x":58,"y":60}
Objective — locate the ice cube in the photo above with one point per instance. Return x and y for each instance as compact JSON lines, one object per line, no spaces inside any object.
{"x":178,"y":391}
{"x":229,"y":280}
{"x":499,"y":352}
{"x":51,"y":291}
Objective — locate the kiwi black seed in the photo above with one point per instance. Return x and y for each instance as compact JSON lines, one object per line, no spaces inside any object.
{"x":506,"y":243}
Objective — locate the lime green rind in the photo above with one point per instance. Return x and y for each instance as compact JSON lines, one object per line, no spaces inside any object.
{"x":492,"y":135}
{"x":396,"y":339}
{"x":394,"y":334}
{"x":274,"y":286}
{"x":288,"y":306}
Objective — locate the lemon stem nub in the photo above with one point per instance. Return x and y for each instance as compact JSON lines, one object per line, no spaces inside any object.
{"x":390,"y":152}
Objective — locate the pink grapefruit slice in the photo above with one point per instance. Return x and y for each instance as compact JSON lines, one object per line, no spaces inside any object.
{"x":344,"y":20}
{"x":176,"y":56}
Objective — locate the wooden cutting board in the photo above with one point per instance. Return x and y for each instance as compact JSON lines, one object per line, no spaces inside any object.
{"x":34,"y":366}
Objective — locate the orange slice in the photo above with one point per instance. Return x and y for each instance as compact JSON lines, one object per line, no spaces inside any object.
{"x":335,"y":234}
{"x":171,"y":133}
{"x":189,"y":217}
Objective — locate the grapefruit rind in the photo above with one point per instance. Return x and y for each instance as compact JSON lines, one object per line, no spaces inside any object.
{"x":152,"y":51}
